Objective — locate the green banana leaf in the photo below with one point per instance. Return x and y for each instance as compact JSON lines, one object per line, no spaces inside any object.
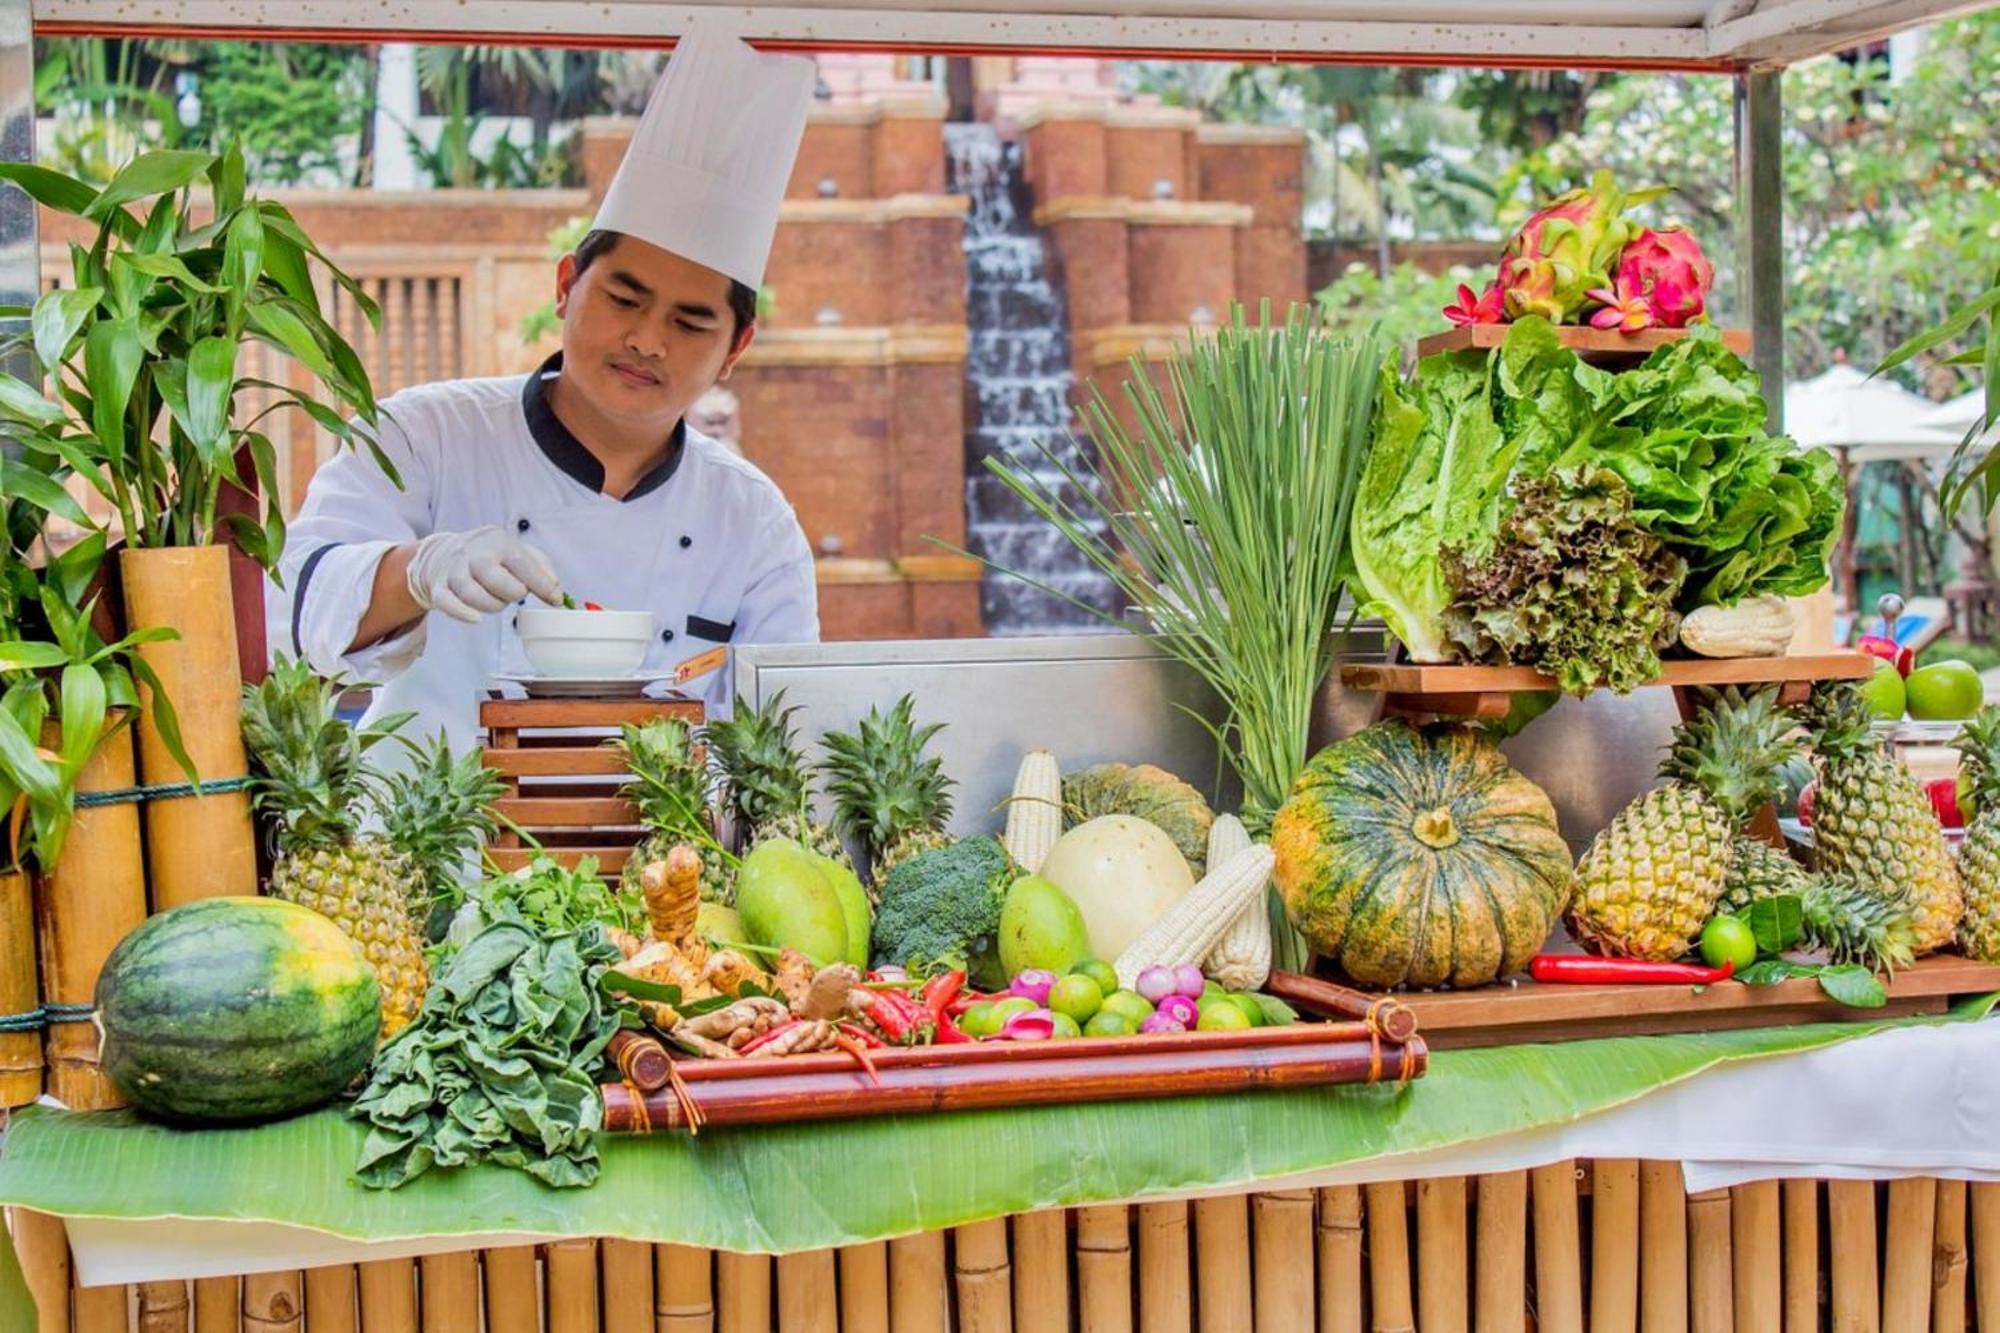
{"x":17,"y":1303}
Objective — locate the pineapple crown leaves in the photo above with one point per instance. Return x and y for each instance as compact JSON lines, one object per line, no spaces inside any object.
{"x":1732,"y":748}
{"x":439,"y":811}
{"x":762,"y":765}
{"x":1841,"y":723}
{"x":669,"y":778}
{"x":309,"y":776}
{"x":882,"y":784}
{"x":1979,"y":745}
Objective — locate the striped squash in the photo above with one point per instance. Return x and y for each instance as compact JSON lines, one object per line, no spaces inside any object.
{"x":1420,"y":858}
{"x":236,"y":1009}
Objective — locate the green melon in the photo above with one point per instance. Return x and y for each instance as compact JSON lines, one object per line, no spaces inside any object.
{"x":236,"y":1009}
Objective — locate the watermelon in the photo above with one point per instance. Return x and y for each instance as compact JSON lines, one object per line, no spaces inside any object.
{"x":236,"y":1009}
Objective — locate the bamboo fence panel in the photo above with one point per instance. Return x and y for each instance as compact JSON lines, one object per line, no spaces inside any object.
{"x":864,"y":1284}
{"x":1850,"y":1225}
{"x":1222,"y":1263}
{"x":1501,"y":1277}
{"x":332,"y":1303}
{"x":1614,"y":1246}
{"x":1441,"y":1258}
{"x":919,"y":1292}
{"x":1801,"y":1256}
{"x":808,"y":1294}
{"x":743,"y":1291}
{"x":1281,"y":1257}
{"x":1663,"y":1276}
{"x":1757,"y":1254}
{"x":1948,"y":1272}
{"x":513,"y":1294}
{"x":1906,"y":1255}
{"x":272,"y":1303}
{"x":103,"y":1309}
{"x":628,"y":1286}
{"x":164,"y":1308}
{"x":1104,"y":1270}
{"x":1041,"y":1272}
{"x":1340,"y":1237}
{"x":388,"y":1290}
{"x":569,"y":1279}
{"x":684,"y":1282}
{"x":1558,"y":1252}
{"x":982,"y":1277}
{"x":1986,"y":1255}
{"x":42,"y":1247}
{"x":1166,"y":1296}
{"x":1389,"y":1258}
{"x":1710,"y":1266}
{"x":448,"y":1294}
{"x":20,"y":991}
{"x":218,"y":1304}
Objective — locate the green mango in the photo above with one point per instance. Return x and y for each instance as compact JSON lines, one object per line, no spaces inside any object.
{"x":853,"y":905}
{"x":786,"y":902}
{"x":1041,"y":926}
{"x":720,"y":925}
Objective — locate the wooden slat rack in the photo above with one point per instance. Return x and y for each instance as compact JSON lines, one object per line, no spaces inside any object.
{"x":1483,"y":691}
{"x":1598,"y":347}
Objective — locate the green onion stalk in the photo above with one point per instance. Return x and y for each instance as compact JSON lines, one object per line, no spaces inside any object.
{"x":1223,"y":519}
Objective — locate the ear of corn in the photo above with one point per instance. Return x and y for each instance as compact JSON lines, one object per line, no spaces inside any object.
{"x":1193,"y":925}
{"x":1034,"y":813}
{"x":1241,"y":959}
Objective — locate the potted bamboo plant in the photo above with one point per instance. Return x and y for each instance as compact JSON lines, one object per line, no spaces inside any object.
{"x":140,"y":351}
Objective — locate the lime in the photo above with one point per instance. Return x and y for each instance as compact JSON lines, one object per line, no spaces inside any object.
{"x":1077,"y":995}
{"x":1885,"y":692}
{"x":1944,"y":692}
{"x":1104,"y":1023}
{"x":1728,"y":939}
{"x":1064,"y":1026}
{"x":980,"y":1020}
{"x":1248,"y":1004}
{"x":1221,"y":1015}
{"x":1128,"y":1005}
{"x":1098,"y":971}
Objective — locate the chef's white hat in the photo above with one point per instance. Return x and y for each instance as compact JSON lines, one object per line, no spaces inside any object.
{"x":708,"y":166}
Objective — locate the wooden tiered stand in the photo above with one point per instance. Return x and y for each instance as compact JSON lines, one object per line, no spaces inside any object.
{"x":565,"y":790}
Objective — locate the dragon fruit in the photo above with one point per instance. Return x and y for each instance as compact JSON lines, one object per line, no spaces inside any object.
{"x":1666,"y":269}
{"x":1561,"y":253}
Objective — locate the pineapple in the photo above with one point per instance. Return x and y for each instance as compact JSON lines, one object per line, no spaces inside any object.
{"x":765,"y":777}
{"x":1759,"y":870}
{"x":886,"y":793}
{"x":1871,"y":820}
{"x":312,"y":784}
{"x":438,"y":814}
{"x":1652,"y":878}
{"x":1851,"y":922}
{"x":1979,"y":855}
{"x":670,"y":787}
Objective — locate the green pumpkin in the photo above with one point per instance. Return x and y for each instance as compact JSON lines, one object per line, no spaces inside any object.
{"x":1420,"y":858}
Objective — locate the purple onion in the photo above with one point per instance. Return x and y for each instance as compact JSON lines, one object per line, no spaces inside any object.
{"x":1156,"y":983}
{"x":1180,"y":1009}
{"x":1189,"y":981}
{"x":1034,"y":1025}
{"x":1033,"y":983}
{"x":1160,"y":1022}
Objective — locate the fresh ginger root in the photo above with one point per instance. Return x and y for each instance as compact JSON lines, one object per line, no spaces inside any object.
{"x":674,"y":953}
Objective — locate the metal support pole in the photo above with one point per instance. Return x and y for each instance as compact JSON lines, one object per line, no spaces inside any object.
{"x":1760,"y":239}
{"x":20,"y":253}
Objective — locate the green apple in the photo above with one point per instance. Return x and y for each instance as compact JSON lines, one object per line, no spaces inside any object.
{"x":1948,"y":691}
{"x":1885,"y":692}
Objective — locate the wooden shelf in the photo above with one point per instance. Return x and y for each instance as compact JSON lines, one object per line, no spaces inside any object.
{"x":1595,"y":346}
{"x":1481,"y":691}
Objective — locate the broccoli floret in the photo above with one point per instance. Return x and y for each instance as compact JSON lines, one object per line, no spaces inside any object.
{"x":941,"y":910}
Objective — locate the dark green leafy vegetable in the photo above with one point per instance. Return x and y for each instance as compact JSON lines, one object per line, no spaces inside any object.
{"x":545,"y":896}
{"x":1571,"y":586}
{"x":499,"y":1066}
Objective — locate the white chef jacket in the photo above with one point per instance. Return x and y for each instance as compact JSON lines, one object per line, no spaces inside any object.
{"x":706,"y":542}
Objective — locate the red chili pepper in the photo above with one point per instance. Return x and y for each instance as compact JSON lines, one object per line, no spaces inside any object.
{"x":887,"y":1010}
{"x":860,"y":1034}
{"x":949,"y":1035}
{"x":767,"y":1038}
{"x":940,"y":991}
{"x":592,"y":606}
{"x":966,"y":999}
{"x":1585,"y":970}
{"x":917,"y":1020}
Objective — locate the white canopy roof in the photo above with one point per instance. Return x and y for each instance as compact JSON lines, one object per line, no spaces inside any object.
{"x":1956,"y":415}
{"x":1842,"y":408}
{"x":1691,"y":34}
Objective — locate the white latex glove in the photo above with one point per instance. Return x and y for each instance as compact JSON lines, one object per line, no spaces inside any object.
{"x":467,"y":575}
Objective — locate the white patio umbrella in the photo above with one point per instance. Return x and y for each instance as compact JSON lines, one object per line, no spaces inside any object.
{"x":1865,"y":419}
{"x":1955,"y":416}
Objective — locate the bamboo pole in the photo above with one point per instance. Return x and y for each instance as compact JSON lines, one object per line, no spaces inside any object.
{"x":1906,"y":1255}
{"x":919,"y":1301}
{"x":1166,"y":1298}
{"x":628,"y":1287}
{"x":1041,"y":1272}
{"x":448,"y":1293}
{"x":42,"y":1247}
{"x":1614,"y":1246}
{"x":164,"y":1308}
{"x":1663,"y":1277}
{"x":1757,"y":1254}
{"x":1502,"y":1244}
{"x":1850,"y":1225}
{"x":109,"y":1310}
{"x":333,"y":1305}
{"x":684,"y":1282}
{"x":91,"y":899}
{"x":864,"y":1286}
{"x":196,"y":846}
{"x":743,"y":1291}
{"x":569,"y":1285}
{"x":1389,"y":1258}
{"x":1441,"y":1262}
{"x":982,"y":1277}
{"x":1222,"y":1263}
{"x":1281,"y":1263}
{"x":1710,"y":1278}
{"x":1986,"y":1255}
{"x":218,"y":1304}
{"x":1801,"y":1256}
{"x":1340,"y":1236}
{"x":388,"y":1290}
{"x":513,"y":1296}
{"x":1103,"y":1270}
{"x":20,"y":990}
{"x":1558,"y":1252}
{"x":272,"y":1303}
{"x":808,"y":1301}
{"x":1948,"y":1272}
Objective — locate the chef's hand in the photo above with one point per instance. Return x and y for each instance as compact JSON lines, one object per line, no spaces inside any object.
{"x":470,"y":574}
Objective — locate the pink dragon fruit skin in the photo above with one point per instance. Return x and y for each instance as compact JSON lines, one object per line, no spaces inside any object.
{"x":1667,"y":269}
{"x":1564,"y":251}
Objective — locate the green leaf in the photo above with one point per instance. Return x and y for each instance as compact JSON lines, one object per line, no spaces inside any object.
{"x":1767,"y":972}
{"x":73,"y":570}
{"x":637,"y":988}
{"x":167,"y":266}
{"x":242,"y":260}
{"x":23,"y":402}
{"x":288,"y":331}
{"x":157,"y":172}
{"x":1854,"y":986}
{"x":23,"y":767}
{"x":40,"y":490}
{"x":82,"y":718}
{"x":226,"y":178}
{"x":1954,"y":324}
{"x":63,"y":193}
{"x":111,"y":360}
{"x":18,"y":655}
{"x":58,"y":315}
{"x":164,"y":716}
{"x":1778,"y":922}
{"x":211,"y":385}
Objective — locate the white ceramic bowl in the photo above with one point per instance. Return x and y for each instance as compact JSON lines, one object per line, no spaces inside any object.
{"x":597,"y":645}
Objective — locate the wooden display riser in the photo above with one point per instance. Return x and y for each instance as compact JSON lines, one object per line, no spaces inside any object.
{"x":1486,"y":691}
{"x":1606,"y":1245}
{"x":1598,"y":347}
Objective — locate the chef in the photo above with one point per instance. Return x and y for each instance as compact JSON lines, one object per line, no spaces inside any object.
{"x":582,"y":477}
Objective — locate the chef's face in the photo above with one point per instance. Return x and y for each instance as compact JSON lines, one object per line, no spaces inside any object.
{"x":645,"y":332}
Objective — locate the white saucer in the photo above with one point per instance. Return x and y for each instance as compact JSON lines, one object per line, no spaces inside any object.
{"x":582,"y":687}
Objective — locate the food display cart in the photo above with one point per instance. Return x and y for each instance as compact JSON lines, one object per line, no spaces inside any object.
{"x":1558,"y":1157}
